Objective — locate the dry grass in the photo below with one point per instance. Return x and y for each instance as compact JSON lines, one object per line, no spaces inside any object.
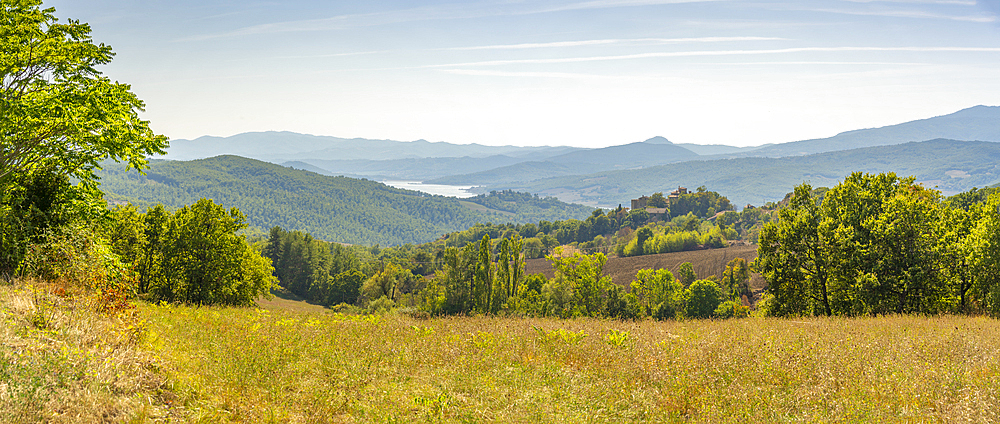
{"x":62,"y":362}
{"x":285,"y":366}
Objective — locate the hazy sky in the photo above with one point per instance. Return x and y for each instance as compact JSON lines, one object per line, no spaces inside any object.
{"x":561,"y":72}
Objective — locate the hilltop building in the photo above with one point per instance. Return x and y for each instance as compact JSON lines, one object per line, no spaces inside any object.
{"x":676,"y":194}
{"x":640,"y":203}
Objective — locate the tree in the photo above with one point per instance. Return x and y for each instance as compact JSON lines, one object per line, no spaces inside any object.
{"x":795,"y":256}
{"x":871,"y":246}
{"x":641,"y":236}
{"x":384,"y":283}
{"x":658,"y":292}
{"x":205,"y":262}
{"x":657,"y":200}
{"x":736,"y":278}
{"x":703,"y":297}
{"x":687,"y":274}
{"x":585,"y":274}
{"x":56,"y":108}
{"x":985,"y":252}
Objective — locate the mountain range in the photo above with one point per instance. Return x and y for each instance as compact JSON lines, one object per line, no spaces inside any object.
{"x":612,"y":175}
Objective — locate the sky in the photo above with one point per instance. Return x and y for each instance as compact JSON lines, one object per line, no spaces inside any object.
{"x":585,"y":73}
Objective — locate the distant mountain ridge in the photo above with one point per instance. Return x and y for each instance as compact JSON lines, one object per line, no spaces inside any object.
{"x":285,"y":146}
{"x":950,"y":165}
{"x":978,"y":123}
{"x":542,"y":169}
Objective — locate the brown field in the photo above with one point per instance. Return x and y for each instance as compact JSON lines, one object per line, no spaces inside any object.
{"x":706,"y":263}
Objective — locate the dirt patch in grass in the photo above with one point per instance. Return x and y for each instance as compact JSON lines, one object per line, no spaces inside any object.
{"x":286,"y":300}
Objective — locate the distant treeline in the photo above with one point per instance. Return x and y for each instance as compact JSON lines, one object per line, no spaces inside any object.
{"x":488,"y":276}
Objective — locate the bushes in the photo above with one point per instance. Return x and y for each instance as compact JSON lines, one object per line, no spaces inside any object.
{"x":193,"y":256}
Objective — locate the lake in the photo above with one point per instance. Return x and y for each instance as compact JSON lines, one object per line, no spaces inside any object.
{"x":439,"y":189}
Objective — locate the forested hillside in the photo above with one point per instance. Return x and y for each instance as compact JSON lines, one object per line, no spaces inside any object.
{"x":337,"y":209}
{"x":952,"y":166}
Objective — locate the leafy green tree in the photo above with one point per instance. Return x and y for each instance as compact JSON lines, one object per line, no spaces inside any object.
{"x":344,"y":287}
{"x":205,"y":262}
{"x":57,"y":109}
{"x":872,"y":246}
{"x":657,"y":200}
{"x":658,"y":292}
{"x":482,"y":282}
{"x":585,"y":273}
{"x":796,"y":257}
{"x":687,"y":274}
{"x":736,"y":278}
{"x":41,"y":200}
{"x":509,"y":271}
{"x":384,"y":283}
{"x":985,"y":249}
{"x":641,"y":237}
{"x":703,"y":297}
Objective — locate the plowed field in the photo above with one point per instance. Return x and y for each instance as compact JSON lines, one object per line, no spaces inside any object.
{"x":706,"y":262}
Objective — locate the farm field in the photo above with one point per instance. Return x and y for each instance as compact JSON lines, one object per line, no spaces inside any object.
{"x":705,"y":262}
{"x":212,"y":364}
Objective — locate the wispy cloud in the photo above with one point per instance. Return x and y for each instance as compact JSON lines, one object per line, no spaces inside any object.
{"x":921,"y":14}
{"x":607,"y":4}
{"x":350,"y":21}
{"x":947,"y":2}
{"x":488,"y":73}
{"x":425,"y":13}
{"x":720,"y":53}
{"x":640,"y":41}
{"x":319,"y":56}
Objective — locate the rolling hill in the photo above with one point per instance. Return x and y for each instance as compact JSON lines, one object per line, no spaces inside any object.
{"x":652,"y":152}
{"x":950,"y":165}
{"x":336,"y":209}
{"x":980,"y":123}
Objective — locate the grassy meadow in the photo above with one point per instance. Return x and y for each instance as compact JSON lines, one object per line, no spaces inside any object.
{"x":59,"y":362}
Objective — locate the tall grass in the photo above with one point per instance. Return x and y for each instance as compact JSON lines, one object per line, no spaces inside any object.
{"x":281,"y":366}
{"x":63,"y":361}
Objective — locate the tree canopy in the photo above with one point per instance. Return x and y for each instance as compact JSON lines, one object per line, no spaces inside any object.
{"x":55,"y":106}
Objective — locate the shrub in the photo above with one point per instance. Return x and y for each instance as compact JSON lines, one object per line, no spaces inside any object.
{"x":702,"y":298}
{"x":732,"y":309}
{"x":380,"y":305}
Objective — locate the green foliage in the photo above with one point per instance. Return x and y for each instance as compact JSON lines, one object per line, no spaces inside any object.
{"x":703,"y":297}
{"x":193,"y":256}
{"x":56,"y":109}
{"x":337,"y":209}
{"x":731,"y":309}
{"x":659,"y":294}
{"x":585,"y":274}
{"x":877,"y":244}
{"x":968,"y":199}
{"x":687,"y":274}
{"x":385,"y":283}
{"x":736,"y":278}
{"x":205,"y":261}
{"x":328,"y":273}
{"x":619,"y":339}
{"x":657,"y":200}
